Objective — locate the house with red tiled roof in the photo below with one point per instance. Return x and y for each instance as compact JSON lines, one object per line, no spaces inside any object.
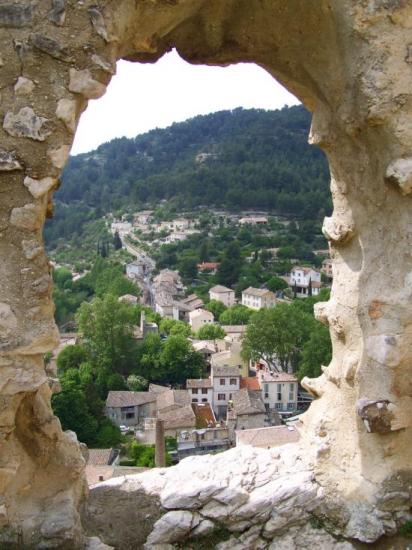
{"x":250,"y":383}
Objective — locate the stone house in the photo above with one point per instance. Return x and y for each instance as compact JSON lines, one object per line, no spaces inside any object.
{"x":231,"y":357}
{"x":199,"y":318}
{"x":130,"y":408}
{"x":225,"y":382}
{"x":279,"y":390}
{"x":257,"y":298}
{"x":253,"y":220}
{"x":267,"y":437}
{"x":136,"y":269}
{"x":200,"y":390}
{"x":209,"y":267}
{"x":245,"y":410}
{"x":222,"y":294}
{"x":327,"y":268}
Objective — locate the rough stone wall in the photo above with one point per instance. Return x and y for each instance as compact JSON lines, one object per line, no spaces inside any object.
{"x":350,"y":62}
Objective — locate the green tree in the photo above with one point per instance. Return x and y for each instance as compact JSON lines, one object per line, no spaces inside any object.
{"x":61,"y":276}
{"x":236,"y":315}
{"x":216,"y":307}
{"x":178,"y":361}
{"x":172,"y":326}
{"x":188,"y":268}
{"x":117,"y":242}
{"x":144,"y":455}
{"x":107,"y":326}
{"x":71,"y":357}
{"x":277,"y":335}
{"x":316,"y":351}
{"x":137,"y":383}
{"x":210,"y":332}
{"x":276,"y":283}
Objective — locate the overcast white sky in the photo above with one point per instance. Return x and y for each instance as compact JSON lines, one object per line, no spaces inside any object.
{"x":145,"y":96}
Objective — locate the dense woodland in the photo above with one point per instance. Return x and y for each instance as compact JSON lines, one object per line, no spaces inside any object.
{"x":248,"y":158}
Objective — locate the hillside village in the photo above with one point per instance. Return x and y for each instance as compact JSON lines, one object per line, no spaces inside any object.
{"x":239,"y":396}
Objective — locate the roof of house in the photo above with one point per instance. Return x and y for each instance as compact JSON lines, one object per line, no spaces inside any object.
{"x":129,"y":298}
{"x":250,"y":383}
{"x":99,"y":457}
{"x":207,"y":265}
{"x":172,"y":397}
{"x":247,"y":402}
{"x":201,"y":313}
{"x":257,"y":291}
{"x":234,"y":328}
{"x":276,"y":377}
{"x":205,"y":417}
{"x":192,"y":298}
{"x":220,"y":289}
{"x":268,"y":437}
{"x":225,"y":370}
{"x":198,"y":383}
{"x":209,"y":347}
{"x":184,"y":417}
{"x":156,"y":388}
{"x":304,"y":269}
{"x":129,"y":398}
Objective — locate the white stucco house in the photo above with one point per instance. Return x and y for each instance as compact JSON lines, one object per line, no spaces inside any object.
{"x":200,"y":318}
{"x":257,"y":298}
{"x":301,"y":279}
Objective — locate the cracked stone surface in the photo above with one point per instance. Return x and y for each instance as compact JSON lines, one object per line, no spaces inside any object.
{"x":349,"y":62}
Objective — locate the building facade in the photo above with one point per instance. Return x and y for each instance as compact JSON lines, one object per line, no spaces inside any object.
{"x":223,"y":294}
{"x":225,"y":382}
{"x":279,"y":391}
{"x":258,"y":298}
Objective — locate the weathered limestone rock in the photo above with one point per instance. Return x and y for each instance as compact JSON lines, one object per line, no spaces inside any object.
{"x":82,"y":82}
{"x":28,"y":217}
{"x":400,"y":173}
{"x":23,"y":86}
{"x":66,"y":111}
{"x":38,"y":188}
{"x":8,"y":162}
{"x":15,"y":15}
{"x":26,"y":124}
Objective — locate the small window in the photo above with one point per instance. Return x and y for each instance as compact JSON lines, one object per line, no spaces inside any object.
{"x":204,"y":400}
{"x":222,"y":381}
{"x":194,"y":400}
{"x":221,"y":397}
{"x":266,"y":388}
{"x":233,"y":382}
{"x":204,"y":390}
{"x":194,"y":390}
{"x":291,"y":406}
{"x":266,"y":395}
{"x":278,"y":406}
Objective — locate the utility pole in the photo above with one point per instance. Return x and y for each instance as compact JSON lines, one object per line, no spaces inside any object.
{"x":160,"y":448}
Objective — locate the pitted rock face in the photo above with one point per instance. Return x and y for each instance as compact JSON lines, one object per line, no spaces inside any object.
{"x":349,"y":62}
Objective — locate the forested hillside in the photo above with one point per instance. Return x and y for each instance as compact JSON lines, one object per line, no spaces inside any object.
{"x":233,"y":159}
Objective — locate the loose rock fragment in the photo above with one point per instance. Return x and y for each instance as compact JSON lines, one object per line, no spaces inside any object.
{"x":15,"y":15}
{"x":66,"y":111}
{"x":98,"y":23}
{"x":8,"y":321}
{"x":26,"y":124}
{"x":399,"y":172}
{"x":337,"y":231}
{"x":27,"y":217}
{"x":57,"y":14}
{"x":50,"y":47}
{"x":31,"y":249}
{"x":38,"y":188}
{"x":8,"y":162}
{"x":59,"y":155}
{"x":23,"y":86}
{"x":107,"y":66}
{"x":376,"y":415}
{"x":82,"y":82}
